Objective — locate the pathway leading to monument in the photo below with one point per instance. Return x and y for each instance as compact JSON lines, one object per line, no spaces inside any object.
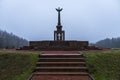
{"x":61,"y":65}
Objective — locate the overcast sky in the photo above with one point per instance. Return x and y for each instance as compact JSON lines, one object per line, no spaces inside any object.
{"x":90,"y":20}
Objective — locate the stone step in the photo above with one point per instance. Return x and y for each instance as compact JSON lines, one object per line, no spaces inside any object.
{"x":61,"y":56}
{"x":60,"y":64}
{"x":60,"y":77}
{"x":61,"y":73}
{"x":61,"y":59}
{"x":61,"y":69}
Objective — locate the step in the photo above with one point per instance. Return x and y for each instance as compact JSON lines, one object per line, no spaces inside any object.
{"x":61,"y":73}
{"x":61,"y":59}
{"x":61,"y":69}
{"x":60,"y":56}
{"x":60,"y":77}
{"x":76,"y":54}
{"x":60,"y":64}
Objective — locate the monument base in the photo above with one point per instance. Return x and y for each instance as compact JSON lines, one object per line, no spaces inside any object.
{"x":57,"y":45}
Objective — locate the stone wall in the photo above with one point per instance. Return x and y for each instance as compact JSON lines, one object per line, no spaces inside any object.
{"x":59,"y":45}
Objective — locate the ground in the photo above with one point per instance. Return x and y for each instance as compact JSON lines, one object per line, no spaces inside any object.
{"x":102,"y":64}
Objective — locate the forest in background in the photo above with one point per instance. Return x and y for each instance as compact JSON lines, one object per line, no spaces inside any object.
{"x":9,"y":40}
{"x":108,"y":43}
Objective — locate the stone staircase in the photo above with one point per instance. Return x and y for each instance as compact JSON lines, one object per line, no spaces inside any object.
{"x":61,"y":67}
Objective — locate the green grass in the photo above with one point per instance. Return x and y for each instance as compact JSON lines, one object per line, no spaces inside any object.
{"x":17,"y":66}
{"x":104,"y":65}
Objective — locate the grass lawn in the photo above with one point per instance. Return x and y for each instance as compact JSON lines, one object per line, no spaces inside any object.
{"x":104,"y":65}
{"x":17,"y":66}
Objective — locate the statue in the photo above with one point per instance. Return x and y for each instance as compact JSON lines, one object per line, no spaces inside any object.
{"x":59,"y":10}
{"x":59,"y":35}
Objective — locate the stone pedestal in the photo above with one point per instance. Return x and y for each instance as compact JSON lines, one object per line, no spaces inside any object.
{"x":59,"y":45}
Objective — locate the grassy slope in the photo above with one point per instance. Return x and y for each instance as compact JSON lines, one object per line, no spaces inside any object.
{"x":16,"y":66}
{"x":104,"y":65}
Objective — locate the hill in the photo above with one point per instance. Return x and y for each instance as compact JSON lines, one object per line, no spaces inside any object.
{"x":108,"y":43}
{"x":9,"y":40}
{"x":104,"y":65}
{"x":17,"y":66}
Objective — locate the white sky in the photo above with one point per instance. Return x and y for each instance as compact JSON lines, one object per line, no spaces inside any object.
{"x":90,"y":20}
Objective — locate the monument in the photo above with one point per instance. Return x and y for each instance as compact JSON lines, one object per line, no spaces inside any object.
{"x":59,"y":42}
{"x":59,"y":35}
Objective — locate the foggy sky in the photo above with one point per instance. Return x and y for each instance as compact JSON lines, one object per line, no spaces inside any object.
{"x":90,"y":20}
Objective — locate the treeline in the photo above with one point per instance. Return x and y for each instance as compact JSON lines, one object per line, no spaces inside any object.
{"x":109,"y":43}
{"x":9,"y":40}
